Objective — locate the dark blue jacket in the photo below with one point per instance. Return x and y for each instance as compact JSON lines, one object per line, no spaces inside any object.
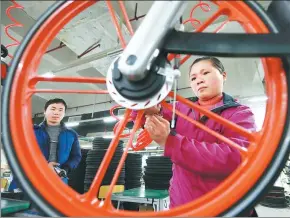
{"x":68,"y":148}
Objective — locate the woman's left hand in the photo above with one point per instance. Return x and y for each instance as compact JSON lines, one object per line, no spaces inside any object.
{"x":158,"y":128}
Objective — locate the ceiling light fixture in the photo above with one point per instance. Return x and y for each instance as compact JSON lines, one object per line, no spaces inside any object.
{"x":72,"y":124}
{"x":48,"y":75}
{"x":108,"y":136}
{"x":112,"y":119}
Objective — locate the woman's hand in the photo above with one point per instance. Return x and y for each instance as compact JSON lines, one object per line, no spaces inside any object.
{"x":153,"y":110}
{"x":158,"y":128}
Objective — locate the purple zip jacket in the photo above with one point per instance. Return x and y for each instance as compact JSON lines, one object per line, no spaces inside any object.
{"x":201,"y":161}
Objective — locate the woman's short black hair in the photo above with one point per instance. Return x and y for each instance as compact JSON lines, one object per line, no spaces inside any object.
{"x":54,"y":101}
{"x":215,"y":62}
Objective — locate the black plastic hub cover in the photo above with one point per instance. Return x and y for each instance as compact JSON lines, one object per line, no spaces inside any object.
{"x":137,"y":90}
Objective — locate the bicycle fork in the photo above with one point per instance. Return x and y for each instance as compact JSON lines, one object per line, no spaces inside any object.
{"x":144,"y":47}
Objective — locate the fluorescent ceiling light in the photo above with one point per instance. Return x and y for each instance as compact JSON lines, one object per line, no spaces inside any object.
{"x":111,"y":119}
{"x":152,"y":148}
{"x":86,"y":146}
{"x":71,"y":124}
{"x":48,"y":75}
{"x":108,"y":136}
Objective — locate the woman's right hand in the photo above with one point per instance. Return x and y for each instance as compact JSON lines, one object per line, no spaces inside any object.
{"x":153,"y":110}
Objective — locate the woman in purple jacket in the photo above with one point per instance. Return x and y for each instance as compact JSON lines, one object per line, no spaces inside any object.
{"x":200,"y":161}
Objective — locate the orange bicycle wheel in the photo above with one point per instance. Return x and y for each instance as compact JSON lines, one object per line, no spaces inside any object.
{"x":262,"y":160}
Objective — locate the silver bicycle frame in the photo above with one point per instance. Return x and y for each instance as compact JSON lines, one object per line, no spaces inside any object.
{"x":144,"y":46}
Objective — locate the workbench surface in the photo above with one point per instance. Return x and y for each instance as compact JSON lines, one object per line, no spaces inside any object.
{"x":9,"y":206}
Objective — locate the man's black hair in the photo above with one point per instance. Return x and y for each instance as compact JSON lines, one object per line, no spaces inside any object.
{"x":55,"y":101}
{"x":216,"y":63}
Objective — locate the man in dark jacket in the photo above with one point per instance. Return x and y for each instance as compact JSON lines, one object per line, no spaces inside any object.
{"x":59,"y":144}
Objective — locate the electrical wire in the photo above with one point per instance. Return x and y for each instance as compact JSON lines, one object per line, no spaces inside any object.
{"x":14,"y":23}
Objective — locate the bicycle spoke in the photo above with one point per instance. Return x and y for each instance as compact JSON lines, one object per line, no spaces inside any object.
{"x":35,"y":79}
{"x":244,"y":132}
{"x":243,"y":150}
{"x":144,"y":136}
{"x":69,"y":91}
{"x":116,"y":24}
{"x":128,"y":23}
{"x":90,"y":196}
{"x":143,"y":141}
{"x":123,"y":158}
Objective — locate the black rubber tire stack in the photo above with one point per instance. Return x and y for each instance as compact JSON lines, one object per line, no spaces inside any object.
{"x":133,"y":175}
{"x":77,"y":176}
{"x":158,"y":172}
{"x":275,"y":198}
{"x":94,"y":159}
{"x":133,"y":171}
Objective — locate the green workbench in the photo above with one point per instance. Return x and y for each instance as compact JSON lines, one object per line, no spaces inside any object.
{"x":9,"y":206}
{"x":158,"y":198}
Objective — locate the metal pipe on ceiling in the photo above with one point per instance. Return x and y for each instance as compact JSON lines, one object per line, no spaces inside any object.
{"x":61,"y":45}
{"x":135,"y":18}
{"x":93,"y":57}
{"x":89,"y":49}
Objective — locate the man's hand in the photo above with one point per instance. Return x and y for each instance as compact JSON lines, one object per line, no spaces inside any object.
{"x":158,"y":128}
{"x":52,"y":164}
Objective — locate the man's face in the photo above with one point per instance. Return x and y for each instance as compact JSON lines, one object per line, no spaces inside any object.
{"x":54,"y":113}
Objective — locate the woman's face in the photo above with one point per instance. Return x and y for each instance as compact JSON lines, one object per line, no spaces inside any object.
{"x":205,"y":80}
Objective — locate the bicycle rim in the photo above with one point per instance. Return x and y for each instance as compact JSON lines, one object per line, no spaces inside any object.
{"x":55,"y":199}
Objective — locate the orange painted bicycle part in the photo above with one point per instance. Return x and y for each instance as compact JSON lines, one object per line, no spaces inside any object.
{"x":117,"y":124}
{"x":112,"y":112}
{"x":143,"y":138}
{"x":15,"y":23}
{"x":202,"y":26}
{"x":143,"y":141}
{"x":116,"y":130}
{"x":70,"y":203}
{"x":125,"y":15}
{"x":116,"y":23}
{"x":4,"y":68}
